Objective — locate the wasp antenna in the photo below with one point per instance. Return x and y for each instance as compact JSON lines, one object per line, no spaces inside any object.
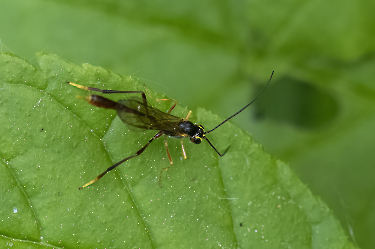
{"x":216,"y":149}
{"x":241,"y":109}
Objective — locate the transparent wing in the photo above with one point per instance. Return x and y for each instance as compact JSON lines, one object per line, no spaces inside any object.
{"x":135,"y":113}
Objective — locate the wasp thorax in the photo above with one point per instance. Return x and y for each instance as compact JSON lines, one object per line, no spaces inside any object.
{"x":195,"y":132}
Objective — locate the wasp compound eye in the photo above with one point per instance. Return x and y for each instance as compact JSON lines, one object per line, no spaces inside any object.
{"x":196,"y":140}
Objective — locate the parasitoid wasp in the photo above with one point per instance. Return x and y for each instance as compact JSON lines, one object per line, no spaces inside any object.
{"x":137,"y":112}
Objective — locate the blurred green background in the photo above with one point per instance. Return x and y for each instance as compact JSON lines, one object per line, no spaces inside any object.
{"x":318,"y":113}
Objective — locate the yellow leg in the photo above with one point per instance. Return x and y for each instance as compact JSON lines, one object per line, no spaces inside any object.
{"x":79,"y":86}
{"x":183,"y":150}
{"x":169,"y":157}
{"x":187,"y":117}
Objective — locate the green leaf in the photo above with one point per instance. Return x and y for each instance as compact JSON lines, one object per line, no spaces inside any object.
{"x":215,"y":54}
{"x":54,"y":143}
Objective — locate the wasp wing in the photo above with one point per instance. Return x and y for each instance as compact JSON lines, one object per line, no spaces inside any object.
{"x":135,"y":112}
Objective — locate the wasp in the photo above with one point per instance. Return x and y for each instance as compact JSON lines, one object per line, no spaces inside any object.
{"x":137,"y":112}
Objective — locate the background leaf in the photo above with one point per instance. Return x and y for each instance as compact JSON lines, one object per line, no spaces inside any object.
{"x":317,"y":113}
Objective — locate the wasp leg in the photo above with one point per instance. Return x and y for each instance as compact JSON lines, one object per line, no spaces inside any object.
{"x":157,"y":135}
{"x":187,"y":116}
{"x":183,"y":150}
{"x":109,"y":91}
{"x":169,"y":157}
{"x":166,"y":143}
{"x":172,"y":107}
{"x":166,"y":148}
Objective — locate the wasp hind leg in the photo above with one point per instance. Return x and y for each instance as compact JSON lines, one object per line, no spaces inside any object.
{"x":157,"y":135}
{"x":144,"y":99}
